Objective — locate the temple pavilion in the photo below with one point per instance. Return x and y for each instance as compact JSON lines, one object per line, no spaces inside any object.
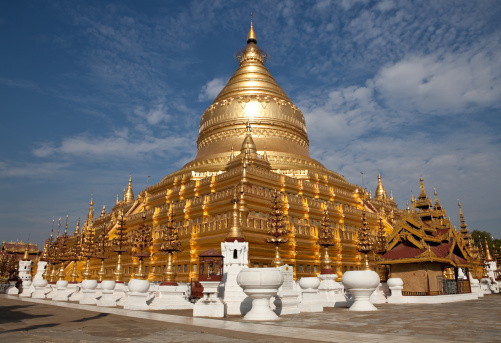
{"x":427,"y":253}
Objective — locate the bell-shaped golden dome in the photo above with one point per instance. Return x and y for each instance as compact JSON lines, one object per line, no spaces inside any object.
{"x":253,"y":97}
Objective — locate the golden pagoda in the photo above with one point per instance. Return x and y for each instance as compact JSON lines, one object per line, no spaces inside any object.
{"x":252,"y":138}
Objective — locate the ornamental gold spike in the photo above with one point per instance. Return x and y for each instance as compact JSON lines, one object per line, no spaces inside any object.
{"x":277,"y":227}
{"x":251,"y":36}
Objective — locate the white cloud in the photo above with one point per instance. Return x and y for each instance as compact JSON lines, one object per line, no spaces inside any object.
{"x":119,"y":145}
{"x":212,"y":88}
{"x":154,"y":115}
{"x":20,"y":169}
{"x":442,"y":84}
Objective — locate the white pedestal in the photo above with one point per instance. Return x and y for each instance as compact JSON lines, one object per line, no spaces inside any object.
{"x":61,"y":291}
{"x":210,"y":305}
{"x":120,"y":293}
{"x":396,"y":285}
{"x":12,"y":290}
{"x":40,"y":285}
{"x":136,"y":301}
{"x":475,"y":287}
{"x":361,"y":284}
{"x":326,"y":290}
{"x":310,"y":298}
{"x":107,"y":300}
{"x":50,"y":290}
{"x":138,"y":295}
{"x":89,"y":292}
{"x":378,"y":296}
{"x":77,"y":293}
{"x":171,"y":298}
{"x":27,"y":289}
{"x":287,"y":299}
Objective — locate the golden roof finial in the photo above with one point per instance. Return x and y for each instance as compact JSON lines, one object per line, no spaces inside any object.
{"x":26,"y":256}
{"x":235,"y":232}
{"x":90,"y":216}
{"x":461,"y":216}
{"x":118,"y":200}
{"x":129,"y":195}
{"x":103,"y":212}
{"x":422,"y":195}
{"x":251,"y":37}
{"x":380,"y":191}
{"x":66,"y":226}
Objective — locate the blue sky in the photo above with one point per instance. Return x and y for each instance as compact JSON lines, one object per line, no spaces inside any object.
{"x":92,"y":92}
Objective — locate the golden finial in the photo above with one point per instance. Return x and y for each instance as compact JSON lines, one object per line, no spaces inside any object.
{"x":103,"y":212}
{"x":118,"y":200}
{"x":251,"y":37}
{"x":66,"y":226}
{"x":380,"y":191}
{"x":235,"y":232}
{"x":129,"y":195}
{"x":77,"y":229}
{"x":422,"y":195}
{"x":26,"y":256}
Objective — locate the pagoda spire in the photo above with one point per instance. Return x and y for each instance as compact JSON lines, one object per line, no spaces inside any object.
{"x":380,"y":191}
{"x":26,"y":256}
{"x":235,"y":232}
{"x":129,"y":195}
{"x":77,"y":229}
{"x":251,"y":36}
{"x":437,"y":203}
{"x":488,"y":256}
{"x":90,"y":216}
{"x":422,"y":195}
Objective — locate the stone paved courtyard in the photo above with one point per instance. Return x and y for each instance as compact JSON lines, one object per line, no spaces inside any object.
{"x":27,"y":320}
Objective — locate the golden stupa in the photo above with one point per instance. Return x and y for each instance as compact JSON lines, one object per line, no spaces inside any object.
{"x":252,"y":141}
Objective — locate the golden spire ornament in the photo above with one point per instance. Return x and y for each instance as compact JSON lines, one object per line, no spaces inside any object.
{"x":142,"y":240}
{"x":62,"y":252}
{"x":120,"y":244}
{"x":101,"y":250}
{"x":326,"y":240}
{"x":277,"y":227}
{"x":365,"y":242}
{"x":170,"y":245}
{"x":88,"y":235}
